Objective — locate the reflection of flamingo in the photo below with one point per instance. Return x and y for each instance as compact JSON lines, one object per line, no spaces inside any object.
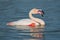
{"x":32,"y":22}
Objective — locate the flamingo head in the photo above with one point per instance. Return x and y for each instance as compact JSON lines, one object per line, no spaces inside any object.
{"x":38,"y":11}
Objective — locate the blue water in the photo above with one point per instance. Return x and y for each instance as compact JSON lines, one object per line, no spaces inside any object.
{"x":12,"y":10}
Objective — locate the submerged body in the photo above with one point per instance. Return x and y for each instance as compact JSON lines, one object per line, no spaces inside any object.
{"x":24,"y":22}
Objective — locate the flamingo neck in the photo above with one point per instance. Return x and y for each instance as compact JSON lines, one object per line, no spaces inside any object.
{"x":37,"y":20}
{"x":31,"y":17}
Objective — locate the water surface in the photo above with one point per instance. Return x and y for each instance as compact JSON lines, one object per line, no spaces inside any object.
{"x":12,"y":10}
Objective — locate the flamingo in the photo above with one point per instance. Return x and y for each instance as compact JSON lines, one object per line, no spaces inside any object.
{"x":32,"y":22}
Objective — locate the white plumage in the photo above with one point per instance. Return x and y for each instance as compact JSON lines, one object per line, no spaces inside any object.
{"x":23,"y":22}
{"x":32,"y":19}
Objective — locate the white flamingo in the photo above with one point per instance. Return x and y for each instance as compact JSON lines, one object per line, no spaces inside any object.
{"x":32,"y":22}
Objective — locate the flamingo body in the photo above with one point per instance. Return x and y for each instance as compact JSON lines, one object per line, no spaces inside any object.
{"x":27,"y":22}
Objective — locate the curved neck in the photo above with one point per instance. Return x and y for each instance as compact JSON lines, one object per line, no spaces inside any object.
{"x":31,"y":17}
{"x":40,"y":21}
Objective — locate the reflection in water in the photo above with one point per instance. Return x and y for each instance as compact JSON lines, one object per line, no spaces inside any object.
{"x":35,"y":33}
{"x":38,"y":32}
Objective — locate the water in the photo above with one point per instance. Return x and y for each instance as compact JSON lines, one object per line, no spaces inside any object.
{"x":12,"y":10}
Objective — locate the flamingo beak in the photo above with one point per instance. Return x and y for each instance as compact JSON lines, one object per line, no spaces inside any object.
{"x":41,"y":12}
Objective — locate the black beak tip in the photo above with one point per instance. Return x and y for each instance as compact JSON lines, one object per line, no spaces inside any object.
{"x":43,"y":12}
{"x":42,"y":15}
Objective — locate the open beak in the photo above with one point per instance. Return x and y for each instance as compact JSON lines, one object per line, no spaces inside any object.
{"x":41,"y":12}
